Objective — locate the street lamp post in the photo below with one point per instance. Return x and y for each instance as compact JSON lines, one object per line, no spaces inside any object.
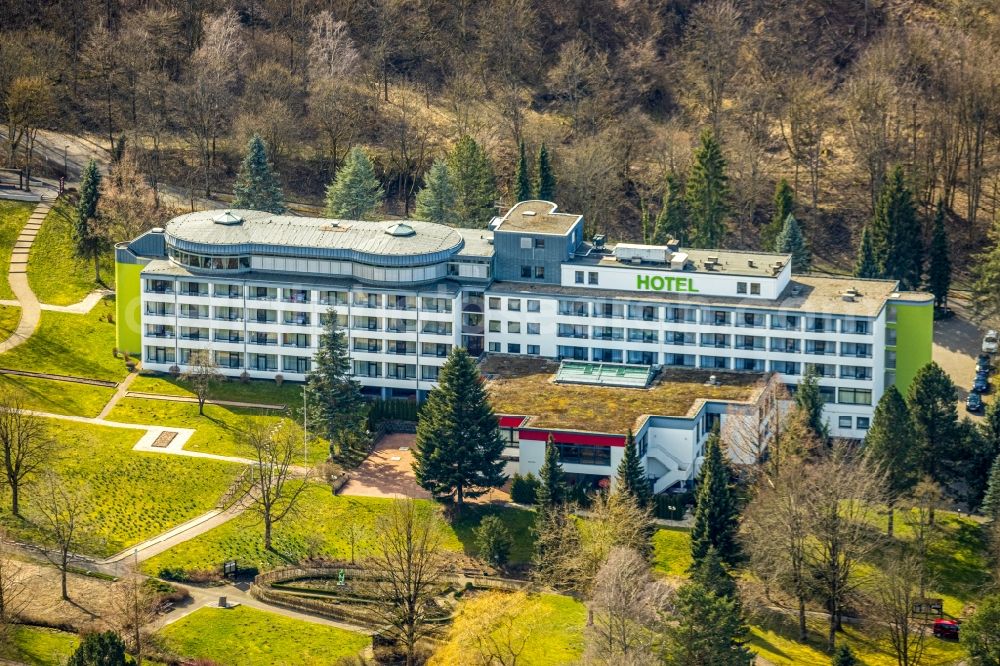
{"x":65,"y":163}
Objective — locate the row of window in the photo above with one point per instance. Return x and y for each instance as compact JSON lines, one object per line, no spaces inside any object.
{"x":232,"y":360}
{"x":854,"y":423}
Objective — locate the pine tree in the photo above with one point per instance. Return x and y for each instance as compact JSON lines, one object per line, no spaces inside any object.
{"x":866,"y":266}
{"x":472,"y":178}
{"x":100,"y":649}
{"x":334,"y":400}
{"x":89,"y":241}
{"x":715,"y":514}
{"x":458,"y":445}
{"x":939,"y":270}
{"x":552,"y":489}
{"x":436,"y":201}
{"x":522,"y":178}
{"x":809,"y":399}
{"x":355,"y":191}
{"x":890,"y":445}
{"x":790,"y":241}
{"x":545,"y":179}
{"x":784,"y":204}
{"x":632,"y":475}
{"x":896,"y":238}
{"x":256,"y":186}
{"x":931,"y":399}
{"x":843,"y":656}
{"x":991,"y":500}
{"x":707,"y":193}
{"x":672,"y":220}
{"x":709,"y":631}
{"x":986,"y":269}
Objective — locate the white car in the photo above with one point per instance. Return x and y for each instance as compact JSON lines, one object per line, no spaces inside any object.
{"x":990,"y":343}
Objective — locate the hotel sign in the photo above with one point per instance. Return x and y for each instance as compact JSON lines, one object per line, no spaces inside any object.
{"x":665,"y":283}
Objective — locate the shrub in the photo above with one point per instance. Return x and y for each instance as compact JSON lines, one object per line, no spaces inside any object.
{"x":494,"y":540}
{"x":244,"y":377}
{"x":279,"y":379}
{"x":175,"y":371}
{"x":114,"y":351}
{"x":524,"y":489}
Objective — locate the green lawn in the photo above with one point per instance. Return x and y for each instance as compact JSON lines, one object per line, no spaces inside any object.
{"x":129,"y":496}
{"x":72,"y":344}
{"x":13,"y":215}
{"x":215,"y":432}
{"x":257,"y":390}
{"x":672,"y":551}
{"x":36,"y":646}
{"x":56,"y":274}
{"x":244,"y":636}
{"x":317,"y":529}
{"x":10,"y":315}
{"x":46,"y":395}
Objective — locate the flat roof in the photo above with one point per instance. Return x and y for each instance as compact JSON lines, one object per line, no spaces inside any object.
{"x":525,"y":386}
{"x":478,"y":242}
{"x":537,"y":217}
{"x":750,"y":264}
{"x":804,"y":294}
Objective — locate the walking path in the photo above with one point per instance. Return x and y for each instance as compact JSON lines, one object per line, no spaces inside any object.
{"x":17,"y":276}
{"x":224,"y":403}
{"x":83,"y":307}
{"x":119,"y":394}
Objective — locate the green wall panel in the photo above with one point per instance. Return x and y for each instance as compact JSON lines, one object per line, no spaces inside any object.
{"x":128,"y":335}
{"x":914,"y":340}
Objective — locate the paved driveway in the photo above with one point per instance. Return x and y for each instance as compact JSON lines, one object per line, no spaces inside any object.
{"x":957,"y":343}
{"x":387,"y":472}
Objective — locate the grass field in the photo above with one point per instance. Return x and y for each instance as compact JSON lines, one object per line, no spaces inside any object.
{"x":316,"y":529}
{"x":56,"y":274}
{"x":72,"y":344}
{"x":672,"y":551}
{"x":215,"y":432}
{"x":46,"y":395}
{"x":129,"y":496}
{"x":244,"y":636}
{"x":258,"y":391}
{"x":36,"y":646}
{"x":13,"y":215}
{"x":10,"y":315}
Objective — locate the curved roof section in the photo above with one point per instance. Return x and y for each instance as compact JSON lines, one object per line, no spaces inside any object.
{"x":257,"y":232}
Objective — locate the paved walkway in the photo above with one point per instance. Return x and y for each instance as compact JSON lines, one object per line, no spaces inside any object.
{"x":119,"y":394}
{"x":224,"y":403}
{"x":83,"y":307}
{"x":17,"y":275}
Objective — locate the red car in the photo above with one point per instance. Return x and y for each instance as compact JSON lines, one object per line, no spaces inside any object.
{"x":946,"y":629}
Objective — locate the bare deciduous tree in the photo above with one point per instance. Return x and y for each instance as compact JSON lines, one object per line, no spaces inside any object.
{"x":895,"y":594}
{"x":133,"y":606}
{"x":61,"y":517}
{"x":274,"y":485}
{"x":202,"y":373}
{"x":492,"y":629}
{"x":13,"y":591}
{"x":29,"y":106}
{"x":24,"y":446}
{"x":128,"y":204}
{"x":806,"y":118}
{"x":711,"y":57}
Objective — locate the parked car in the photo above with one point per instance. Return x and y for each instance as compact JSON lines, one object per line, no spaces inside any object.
{"x":946,"y":629}
{"x":990,"y":342}
{"x":980,"y":384}
{"x":983,"y":364}
{"x":974,"y":403}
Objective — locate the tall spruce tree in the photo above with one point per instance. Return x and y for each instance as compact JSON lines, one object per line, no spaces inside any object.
{"x":991,"y":500}
{"x":545,"y":178}
{"x":355,"y":191}
{"x":522,"y":177}
{"x":458,"y":445}
{"x":632,"y":475}
{"x":939,"y":268}
{"x":843,"y":656}
{"x":707,"y":193}
{"x":436,"y":201}
{"x":552,"y":489}
{"x":791,"y":241}
{"x":712,"y":573}
{"x":715,"y":514}
{"x":986,"y":270}
{"x":809,"y":399}
{"x":891,"y":445}
{"x":896,"y":238}
{"x":334,"y":400}
{"x":931,"y":399}
{"x":671,"y":222}
{"x":784,"y":204}
{"x":866,"y":265}
{"x":86,"y":233}
{"x":256,"y":186}
{"x":709,"y":630}
{"x":472,"y":177}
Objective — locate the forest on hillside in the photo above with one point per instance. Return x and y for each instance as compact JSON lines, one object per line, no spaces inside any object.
{"x":830,"y":95}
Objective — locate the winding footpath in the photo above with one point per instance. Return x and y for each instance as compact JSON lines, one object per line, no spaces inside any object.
{"x":17,"y":275}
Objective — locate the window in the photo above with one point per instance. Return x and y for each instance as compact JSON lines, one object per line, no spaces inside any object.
{"x":540,"y":272}
{"x":785,"y":367}
{"x":755,"y":288}
{"x":863,"y":422}
{"x":494,"y":347}
{"x":578,"y":277}
{"x":890,"y":337}
{"x":828,"y":393}
{"x":856,"y":349}
{"x":513,"y":348}
{"x":860,"y":327}
{"x":534,"y":328}
{"x":855,"y":396}
{"x":526,"y":243}
{"x":845,"y":421}
{"x":494,"y":303}
{"x":494,"y":326}
{"x":539,"y":243}
{"x":741,"y":287}
{"x":514,"y":304}
{"x":526,"y":272}
{"x":534,"y":350}
{"x":720,"y":318}
{"x":513,"y":327}
{"x":592,"y":277}
{"x":533,"y":305}
{"x":584,"y":455}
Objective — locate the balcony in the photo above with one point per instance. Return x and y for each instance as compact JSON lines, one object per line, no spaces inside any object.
{"x":231,"y":338}
{"x":158,"y":290}
{"x":296,"y":321}
{"x":162,"y":335}
{"x":263,"y":342}
{"x":267,"y":297}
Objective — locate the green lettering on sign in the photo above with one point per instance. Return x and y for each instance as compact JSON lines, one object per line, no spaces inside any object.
{"x":665,"y":283}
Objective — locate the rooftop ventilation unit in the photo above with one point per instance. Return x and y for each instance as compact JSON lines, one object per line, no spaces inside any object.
{"x":632,"y":253}
{"x":529,"y":213}
{"x":796,"y":290}
{"x":678,"y":260}
{"x":599,"y":241}
{"x":751,"y":264}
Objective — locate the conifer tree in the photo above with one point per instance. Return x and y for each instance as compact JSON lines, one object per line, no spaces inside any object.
{"x":334,"y":400}
{"x":86,"y":234}
{"x":707,"y":193}
{"x":784,"y":203}
{"x":809,"y":399}
{"x":939,"y":268}
{"x":931,"y":399}
{"x":986,"y":269}
{"x":712,"y":573}
{"x":522,"y":178}
{"x":545,"y":179}
{"x":458,"y":445}
{"x":895,"y":233}
{"x":991,"y":500}
{"x":355,"y":191}
{"x":632,"y":475}
{"x":891,"y":445}
{"x":472,"y":178}
{"x":256,"y":186}
{"x":790,"y":241}
{"x":709,"y":631}
{"x":715,"y":514}
{"x":843,"y":656}
{"x":671,"y":222}
{"x":104,"y":649}
{"x":866,"y":266}
{"x":436,"y":201}
{"x":552,"y":489}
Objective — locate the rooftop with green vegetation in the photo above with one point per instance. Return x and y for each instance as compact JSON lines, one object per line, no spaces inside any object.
{"x":526,"y":386}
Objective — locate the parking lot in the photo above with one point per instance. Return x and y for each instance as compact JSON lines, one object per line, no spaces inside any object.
{"x":957,"y":343}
